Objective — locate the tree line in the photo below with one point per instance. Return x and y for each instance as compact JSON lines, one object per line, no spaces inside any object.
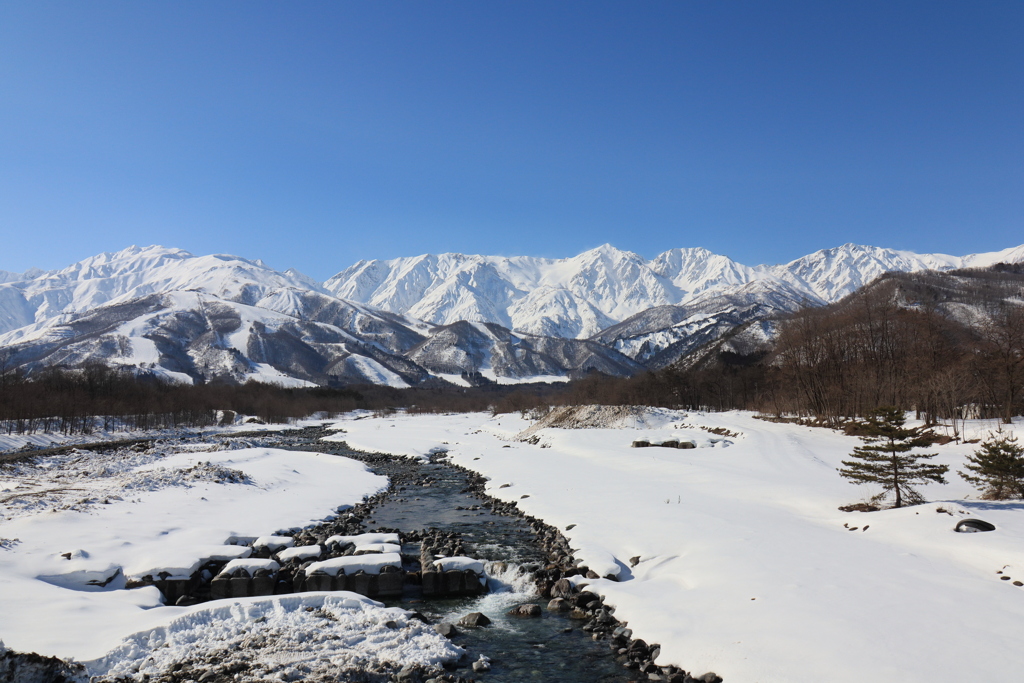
{"x":947,"y":346}
{"x":100,"y":398}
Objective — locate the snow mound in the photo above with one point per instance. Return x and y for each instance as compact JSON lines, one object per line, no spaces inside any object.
{"x":250,"y":564}
{"x":303,"y":637}
{"x":461,"y":563}
{"x":597,"y":417}
{"x":371,"y":564}
{"x":302,"y":552}
{"x":364,"y":539}
{"x":81,"y":479}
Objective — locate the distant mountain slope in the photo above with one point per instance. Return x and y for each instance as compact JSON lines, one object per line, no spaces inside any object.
{"x":496,"y":351}
{"x":660,"y":336}
{"x":135,"y":272}
{"x":221,"y":318}
{"x":415,"y":320}
{"x":581,"y":296}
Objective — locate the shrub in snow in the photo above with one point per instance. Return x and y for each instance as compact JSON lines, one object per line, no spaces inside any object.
{"x":997,"y":468}
{"x":886,"y":458}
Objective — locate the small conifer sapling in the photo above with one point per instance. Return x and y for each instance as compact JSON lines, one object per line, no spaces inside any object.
{"x":886,"y":458}
{"x":997,"y":468}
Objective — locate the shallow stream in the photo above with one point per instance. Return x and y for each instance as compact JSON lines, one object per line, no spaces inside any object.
{"x":551,"y":647}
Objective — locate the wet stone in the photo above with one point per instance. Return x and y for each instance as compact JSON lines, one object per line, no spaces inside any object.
{"x":525,"y":611}
{"x":474,"y":619}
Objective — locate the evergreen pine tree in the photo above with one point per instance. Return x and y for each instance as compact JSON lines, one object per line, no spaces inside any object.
{"x":997,"y":468}
{"x":886,"y":458}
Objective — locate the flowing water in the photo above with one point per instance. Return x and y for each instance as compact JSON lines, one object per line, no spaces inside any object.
{"x":547,"y":648}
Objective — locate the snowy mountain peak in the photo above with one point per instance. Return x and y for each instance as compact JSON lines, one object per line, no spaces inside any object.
{"x":605,"y":285}
{"x":378,"y":320}
{"x":137,"y":272}
{"x":831,"y":274}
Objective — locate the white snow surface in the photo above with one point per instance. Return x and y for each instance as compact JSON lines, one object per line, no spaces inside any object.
{"x":274,"y":542}
{"x":165,"y":519}
{"x":581,"y":295}
{"x":746,"y":566}
{"x":458,"y":562}
{"x":283,"y":637}
{"x":250,"y":564}
{"x":303,"y":552}
{"x":379,"y":548}
{"x":364,"y":539}
{"x":371,"y":564}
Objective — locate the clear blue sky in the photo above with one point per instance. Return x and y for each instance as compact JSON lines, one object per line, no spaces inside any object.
{"x":312,"y":135}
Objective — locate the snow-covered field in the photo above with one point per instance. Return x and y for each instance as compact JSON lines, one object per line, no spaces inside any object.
{"x":69,"y":520}
{"x":13,"y":442}
{"x":746,"y":566}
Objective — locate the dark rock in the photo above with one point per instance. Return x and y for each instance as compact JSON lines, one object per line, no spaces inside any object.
{"x":529,"y":610}
{"x":319,"y":581}
{"x":859,"y":507}
{"x":634,"y":561}
{"x":474,"y":619}
{"x":562,"y":588}
{"x":559,"y":605}
{"x":446,"y":629}
{"x":240,"y":586}
{"x":220,"y":587}
{"x":409,"y":674}
{"x":974,"y":525}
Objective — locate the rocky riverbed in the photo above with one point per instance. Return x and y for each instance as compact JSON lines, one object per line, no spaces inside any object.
{"x":536,"y":621}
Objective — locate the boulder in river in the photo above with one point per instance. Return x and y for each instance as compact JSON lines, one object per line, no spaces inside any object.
{"x":559,"y":605}
{"x":446,"y":629}
{"x":528,"y":610}
{"x":562,"y":588}
{"x":474,"y":619}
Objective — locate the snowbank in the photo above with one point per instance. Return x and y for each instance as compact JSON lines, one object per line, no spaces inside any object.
{"x":743,"y":563}
{"x":461,"y":563}
{"x":371,"y":564}
{"x":325,"y":633}
{"x":303,"y":552}
{"x":171,"y":526}
{"x":251,"y":565}
{"x":363,"y":539}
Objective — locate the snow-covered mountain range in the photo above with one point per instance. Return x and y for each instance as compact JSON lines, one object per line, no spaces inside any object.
{"x":412,"y":320}
{"x":580,"y":296}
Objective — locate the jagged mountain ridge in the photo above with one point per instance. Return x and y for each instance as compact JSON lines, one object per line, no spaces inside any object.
{"x":583,"y":295}
{"x":222,"y":318}
{"x":199,"y":318}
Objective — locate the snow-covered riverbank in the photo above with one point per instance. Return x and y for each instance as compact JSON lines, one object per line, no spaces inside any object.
{"x":746,"y":566}
{"x":74,"y":519}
